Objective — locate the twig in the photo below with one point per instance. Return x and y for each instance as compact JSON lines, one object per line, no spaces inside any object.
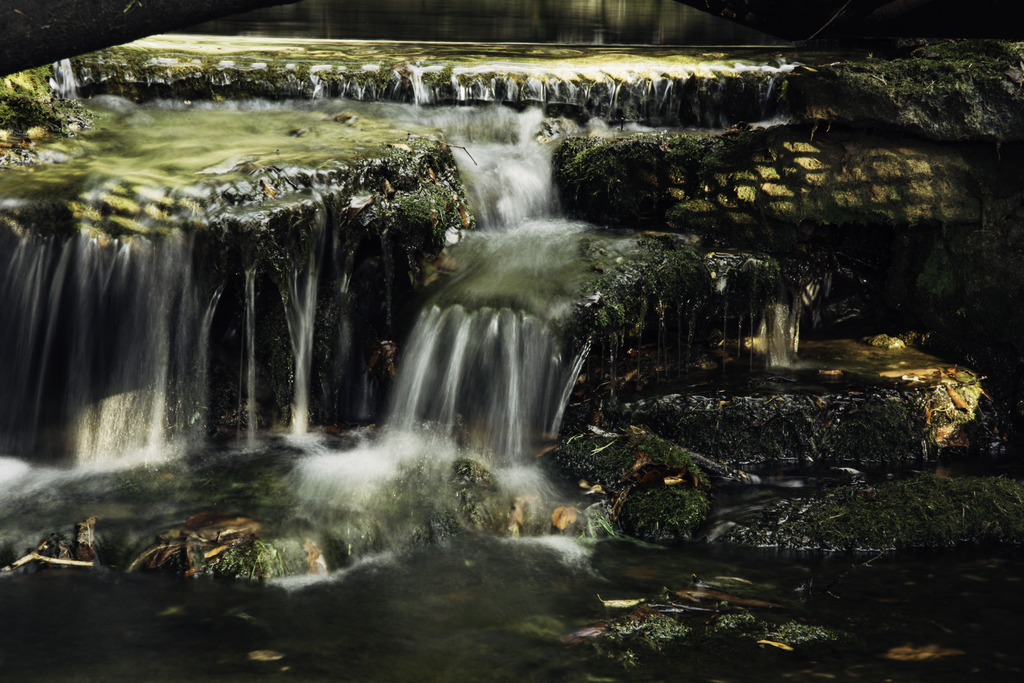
{"x":834,"y":17}
{"x":43,"y":558}
{"x":464,"y":150}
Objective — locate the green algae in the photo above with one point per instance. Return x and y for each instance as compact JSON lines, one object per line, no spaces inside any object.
{"x":922,"y":512}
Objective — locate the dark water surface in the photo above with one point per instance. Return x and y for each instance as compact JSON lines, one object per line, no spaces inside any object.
{"x":638,"y":22}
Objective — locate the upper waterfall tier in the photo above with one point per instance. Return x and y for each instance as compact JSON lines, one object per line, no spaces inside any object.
{"x":620,"y":84}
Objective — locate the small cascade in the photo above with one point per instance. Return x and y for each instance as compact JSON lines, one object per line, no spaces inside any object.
{"x":509,"y":180}
{"x":300,"y":313}
{"x":103,"y":345}
{"x":249,"y":358}
{"x":712,"y":94}
{"x":64,"y":83}
{"x":493,"y":377}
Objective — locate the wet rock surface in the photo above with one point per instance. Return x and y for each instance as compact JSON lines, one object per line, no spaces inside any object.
{"x":919,"y":512}
{"x":948,"y":91}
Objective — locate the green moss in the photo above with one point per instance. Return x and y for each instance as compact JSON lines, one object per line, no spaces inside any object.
{"x":659,"y":513}
{"x":647,"y":511}
{"x":923,"y":512}
{"x":27,"y":105}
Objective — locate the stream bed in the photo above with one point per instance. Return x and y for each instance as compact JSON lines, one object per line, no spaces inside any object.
{"x":406,"y":595}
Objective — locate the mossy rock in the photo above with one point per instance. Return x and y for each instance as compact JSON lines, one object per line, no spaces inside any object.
{"x":649,"y":511}
{"x":962,"y":282}
{"x":855,"y":427}
{"x":922,"y":512}
{"x":668,"y":644}
{"x":659,"y":277}
{"x":951,"y":91}
{"x":27,"y":109}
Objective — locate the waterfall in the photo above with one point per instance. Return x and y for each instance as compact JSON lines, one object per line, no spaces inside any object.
{"x":493,"y":377}
{"x":63,"y":83}
{"x":103,"y":343}
{"x":300,"y":313}
{"x":249,"y":358}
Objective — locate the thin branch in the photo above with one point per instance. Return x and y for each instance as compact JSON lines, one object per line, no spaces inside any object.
{"x":834,"y":17}
{"x":43,"y":558}
{"x":464,"y":150}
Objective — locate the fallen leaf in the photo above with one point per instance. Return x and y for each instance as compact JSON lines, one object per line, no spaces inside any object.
{"x":268,"y":189}
{"x":265,"y":656}
{"x":621,"y":603}
{"x":916,"y":372}
{"x":581,"y":634}
{"x":912,"y":653}
{"x":84,"y":539}
{"x":562,"y":517}
{"x":957,"y":400}
{"x":697,"y":594}
{"x":781,"y":646}
{"x":315,"y":559}
{"x":400,"y":145}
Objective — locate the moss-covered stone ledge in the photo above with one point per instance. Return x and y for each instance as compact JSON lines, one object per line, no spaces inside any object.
{"x":657,"y":491}
{"x":265,"y":198}
{"x":949,"y":91}
{"x":618,"y":84}
{"x":857,"y":426}
{"x":922,"y":512}
{"x":770,"y":189}
{"x":659,"y":277}
{"x":29,"y":112}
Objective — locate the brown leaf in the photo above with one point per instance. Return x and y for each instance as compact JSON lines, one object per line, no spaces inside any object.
{"x":916,"y":372}
{"x":84,"y":539}
{"x":464,"y":215}
{"x":951,"y":435}
{"x":582,"y":634}
{"x":562,"y":517}
{"x":721,"y":596}
{"x":218,"y":551}
{"x":268,"y":189}
{"x":957,"y":400}
{"x":265,"y":656}
{"x":314,"y":559}
{"x":515,"y":516}
{"x":913,"y":653}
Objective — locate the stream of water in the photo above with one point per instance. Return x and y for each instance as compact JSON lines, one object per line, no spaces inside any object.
{"x":482,"y":376}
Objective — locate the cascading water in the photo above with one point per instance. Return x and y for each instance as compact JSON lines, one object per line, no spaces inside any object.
{"x":300,"y":312}
{"x":106,"y":342}
{"x":64,"y":83}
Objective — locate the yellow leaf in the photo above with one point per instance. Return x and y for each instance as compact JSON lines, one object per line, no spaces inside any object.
{"x":562,"y":517}
{"x":781,"y":646}
{"x":265,"y":656}
{"x":913,"y":653}
{"x":622,"y":603}
{"x":217,"y":551}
